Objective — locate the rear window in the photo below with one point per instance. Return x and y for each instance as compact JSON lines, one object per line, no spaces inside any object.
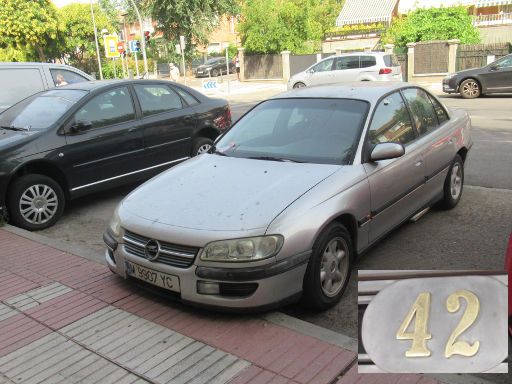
{"x":18,"y":84}
{"x":391,"y":61}
{"x":367,"y":61}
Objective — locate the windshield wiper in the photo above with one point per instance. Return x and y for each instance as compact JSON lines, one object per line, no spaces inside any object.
{"x":275,"y":158}
{"x":13,"y":128}
{"x":216,"y":151}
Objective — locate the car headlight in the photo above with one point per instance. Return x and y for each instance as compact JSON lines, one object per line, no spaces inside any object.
{"x":246,"y":249}
{"x":449,"y":76}
{"x":115,"y":223}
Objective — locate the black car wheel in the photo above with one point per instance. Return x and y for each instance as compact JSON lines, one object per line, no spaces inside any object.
{"x":215,"y":72}
{"x":35,"y":202}
{"x":299,"y":85}
{"x":470,"y":89}
{"x":453,"y":184}
{"x":329,"y":268}
{"x":201,"y":145}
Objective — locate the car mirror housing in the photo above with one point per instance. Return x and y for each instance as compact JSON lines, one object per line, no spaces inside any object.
{"x":80,"y":126}
{"x":386,"y":151}
{"x":493,"y":67}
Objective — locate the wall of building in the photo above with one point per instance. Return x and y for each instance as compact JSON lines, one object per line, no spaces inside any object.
{"x":496,"y":34}
{"x":349,"y":44}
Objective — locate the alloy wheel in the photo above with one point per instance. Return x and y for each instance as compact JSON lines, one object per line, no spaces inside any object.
{"x":471,"y":88}
{"x":456,"y":181}
{"x":203,"y":149}
{"x":38,"y":204}
{"x":334,"y":266}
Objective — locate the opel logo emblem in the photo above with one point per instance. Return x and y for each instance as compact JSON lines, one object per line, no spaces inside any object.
{"x":152,"y":250}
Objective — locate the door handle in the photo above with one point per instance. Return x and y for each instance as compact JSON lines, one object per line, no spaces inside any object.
{"x":418,"y":163}
{"x":133,"y":129}
{"x":188,"y":117}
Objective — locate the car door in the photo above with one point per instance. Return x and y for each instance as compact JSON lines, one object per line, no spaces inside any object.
{"x":436,"y":138}
{"x":346,"y":68}
{"x":167,"y":122}
{"x":395,"y":184}
{"x":497,"y":77}
{"x":368,"y":65}
{"x":321,"y":72}
{"x":104,"y":141}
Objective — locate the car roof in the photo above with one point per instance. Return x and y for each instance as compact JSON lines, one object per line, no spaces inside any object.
{"x":98,"y":84}
{"x":370,"y":91}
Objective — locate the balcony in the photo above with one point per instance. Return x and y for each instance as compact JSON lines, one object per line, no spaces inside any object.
{"x":491,"y":20}
{"x":353,"y":34}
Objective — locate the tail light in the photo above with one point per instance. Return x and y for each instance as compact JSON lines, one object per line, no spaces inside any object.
{"x":385,"y":71}
{"x":223,"y":121}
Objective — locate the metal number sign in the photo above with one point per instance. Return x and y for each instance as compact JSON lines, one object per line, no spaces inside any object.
{"x":439,"y":324}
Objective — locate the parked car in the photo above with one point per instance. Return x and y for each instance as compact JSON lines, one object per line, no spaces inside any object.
{"x":298,"y":187}
{"x":508,"y":268}
{"x":64,"y":143}
{"x":20,"y":80}
{"x":214,"y":67}
{"x":471,"y":83}
{"x":360,"y":66}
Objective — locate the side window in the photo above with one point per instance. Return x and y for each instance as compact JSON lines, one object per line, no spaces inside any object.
{"x":347,"y":62}
{"x":63,"y":77}
{"x":425,"y":118}
{"x":442,"y":116}
{"x":391,"y":122}
{"x":156,"y":98}
{"x":191,"y":100}
{"x":112,"y":107}
{"x":368,"y":61}
{"x":506,"y":62}
{"x":323,"y":66}
{"x":18,"y":83}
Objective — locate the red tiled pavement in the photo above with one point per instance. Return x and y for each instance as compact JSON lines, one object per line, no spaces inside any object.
{"x":277,"y":354}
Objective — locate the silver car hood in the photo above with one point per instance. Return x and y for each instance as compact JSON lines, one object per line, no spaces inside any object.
{"x":217,"y":193}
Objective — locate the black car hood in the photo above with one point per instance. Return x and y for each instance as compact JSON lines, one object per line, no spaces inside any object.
{"x":473,"y":71}
{"x":10,"y":138}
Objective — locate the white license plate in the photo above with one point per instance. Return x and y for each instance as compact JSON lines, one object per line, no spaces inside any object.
{"x":162,"y":280}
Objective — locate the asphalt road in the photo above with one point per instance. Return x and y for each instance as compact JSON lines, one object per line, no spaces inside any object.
{"x":472,"y":236}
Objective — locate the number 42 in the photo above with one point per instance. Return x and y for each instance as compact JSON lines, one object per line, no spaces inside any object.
{"x":421,"y":308}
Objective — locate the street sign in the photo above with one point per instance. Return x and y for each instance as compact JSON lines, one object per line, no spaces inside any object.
{"x":133,"y":46}
{"x":210,"y":84}
{"x":111,"y":46}
{"x":120,"y":47}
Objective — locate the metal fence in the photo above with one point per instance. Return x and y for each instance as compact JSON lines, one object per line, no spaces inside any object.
{"x":475,"y":55}
{"x":263,"y":66}
{"x":298,"y":63}
{"x":431,"y":57}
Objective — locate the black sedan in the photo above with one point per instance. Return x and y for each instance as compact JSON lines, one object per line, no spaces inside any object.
{"x":214,"y":67}
{"x":64,"y":143}
{"x":471,"y":83}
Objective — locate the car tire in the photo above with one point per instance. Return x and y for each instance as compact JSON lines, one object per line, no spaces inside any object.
{"x":470,"y":89}
{"x":35,"y":202}
{"x":299,"y":85}
{"x":331,"y":260}
{"x":201,"y":145}
{"x":453,"y":184}
{"x":215,"y":73}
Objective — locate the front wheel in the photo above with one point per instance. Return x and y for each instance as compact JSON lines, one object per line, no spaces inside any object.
{"x":215,"y":73}
{"x":329,"y":268}
{"x":299,"y":85}
{"x":453,"y":184}
{"x":35,"y":202}
{"x":201,"y":145}
{"x":470,"y":89}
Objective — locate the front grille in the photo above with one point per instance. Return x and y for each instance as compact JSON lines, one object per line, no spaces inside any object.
{"x":170,"y":254}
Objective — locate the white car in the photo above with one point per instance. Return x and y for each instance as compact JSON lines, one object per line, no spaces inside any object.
{"x":359,"y":66}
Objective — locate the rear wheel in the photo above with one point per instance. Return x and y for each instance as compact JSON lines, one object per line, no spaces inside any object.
{"x":470,"y":89}
{"x":35,"y":202}
{"x":299,"y":85}
{"x":453,"y":184}
{"x":215,"y":72}
{"x":329,"y":268}
{"x":201,"y":145}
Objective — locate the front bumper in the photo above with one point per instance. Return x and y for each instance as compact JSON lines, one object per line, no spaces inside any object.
{"x":275,"y":283}
{"x":450,"y":85}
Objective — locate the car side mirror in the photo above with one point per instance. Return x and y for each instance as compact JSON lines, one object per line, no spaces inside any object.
{"x":310,"y":70}
{"x":493,"y":68}
{"x":386,"y":151}
{"x":80,"y":126}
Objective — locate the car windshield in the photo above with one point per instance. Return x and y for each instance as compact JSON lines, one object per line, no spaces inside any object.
{"x":40,"y":111}
{"x":213,"y":61}
{"x":312,"y":130}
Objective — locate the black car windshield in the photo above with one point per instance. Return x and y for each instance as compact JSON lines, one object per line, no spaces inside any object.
{"x":40,"y":111}
{"x":213,"y":61}
{"x":313,"y":130}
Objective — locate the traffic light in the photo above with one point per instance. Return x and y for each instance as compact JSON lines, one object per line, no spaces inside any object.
{"x":147,"y":36}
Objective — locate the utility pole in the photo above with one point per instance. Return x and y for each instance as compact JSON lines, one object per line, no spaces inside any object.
{"x":142,"y":38}
{"x":96,"y":41}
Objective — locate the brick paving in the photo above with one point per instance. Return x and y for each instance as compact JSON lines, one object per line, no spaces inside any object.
{"x":65,"y":319}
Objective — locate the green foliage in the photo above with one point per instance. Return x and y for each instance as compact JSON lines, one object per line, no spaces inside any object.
{"x":271,"y":26}
{"x":232,"y":51}
{"x":356,"y":27}
{"x":28,"y":24}
{"x":432,"y":24}
{"x":108,"y":67}
{"x":76,"y":41}
{"x":194,"y":19}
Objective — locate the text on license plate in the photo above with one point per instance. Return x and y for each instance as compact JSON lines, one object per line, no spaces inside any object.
{"x":162,"y":280}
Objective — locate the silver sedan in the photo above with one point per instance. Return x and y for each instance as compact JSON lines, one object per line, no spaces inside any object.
{"x":299,"y":187}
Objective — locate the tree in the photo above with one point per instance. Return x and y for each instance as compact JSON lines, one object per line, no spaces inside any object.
{"x":194,"y":19}
{"x":76,"y":41}
{"x":271,"y":26}
{"x":432,"y":24}
{"x":28,"y":25}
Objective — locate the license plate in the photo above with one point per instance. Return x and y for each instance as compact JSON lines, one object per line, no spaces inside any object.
{"x":162,"y":280}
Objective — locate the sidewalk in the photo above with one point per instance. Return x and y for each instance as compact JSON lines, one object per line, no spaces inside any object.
{"x":65,"y":319}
